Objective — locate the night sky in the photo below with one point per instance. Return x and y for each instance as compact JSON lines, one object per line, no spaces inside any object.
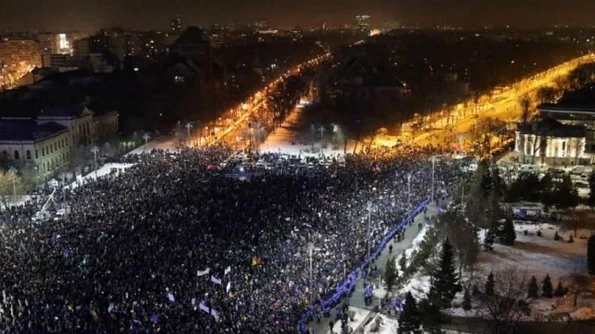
{"x":66,"y":15}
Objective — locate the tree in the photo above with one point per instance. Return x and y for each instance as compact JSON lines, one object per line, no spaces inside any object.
{"x":591,"y":255}
{"x":489,"y":289}
{"x":445,"y":282}
{"x":547,"y":288}
{"x":560,"y":291}
{"x":466,"y":300}
{"x":507,"y":234}
{"x":409,"y":319}
{"x":565,"y":194}
{"x":547,"y":94}
{"x":8,"y":184}
{"x":488,"y":240}
{"x":403,"y":262}
{"x":546,"y":187}
{"x":461,"y":234}
{"x":533,"y":288}
{"x":575,"y":220}
{"x":390,"y":273}
{"x":509,"y":301}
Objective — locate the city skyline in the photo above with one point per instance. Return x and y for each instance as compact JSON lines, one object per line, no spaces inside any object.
{"x":69,"y":15}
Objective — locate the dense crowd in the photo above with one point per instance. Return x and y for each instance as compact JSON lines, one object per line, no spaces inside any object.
{"x":173,"y":246}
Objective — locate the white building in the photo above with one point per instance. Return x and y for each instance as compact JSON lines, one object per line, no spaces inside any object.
{"x":547,"y":141}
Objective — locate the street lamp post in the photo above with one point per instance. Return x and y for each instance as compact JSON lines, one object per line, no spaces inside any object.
{"x":409,"y":187}
{"x":13,"y":173}
{"x":95,"y":149}
{"x":369,"y":208}
{"x":146,"y":137}
{"x":310,"y":251}
{"x":433,"y":177}
{"x":188,"y":128}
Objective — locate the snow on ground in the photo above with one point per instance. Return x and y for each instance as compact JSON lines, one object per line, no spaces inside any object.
{"x":295,"y":138}
{"x":539,"y":256}
{"x":386,"y":325}
{"x":163,"y":143}
{"x":102,"y":171}
{"x":418,"y":285}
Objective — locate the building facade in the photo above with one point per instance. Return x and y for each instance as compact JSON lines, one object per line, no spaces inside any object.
{"x":41,"y":150}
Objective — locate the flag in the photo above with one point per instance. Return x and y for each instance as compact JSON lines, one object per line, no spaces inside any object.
{"x":171,"y":297}
{"x":110,"y":308}
{"x":203,"y":272}
{"x":227,"y":271}
{"x":203,"y":307}
{"x":256,"y":260}
{"x":228,"y":287}
{"x":193,"y":301}
{"x":154,"y":318}
{"x":215,"y":315}
{"x":215,"y":280}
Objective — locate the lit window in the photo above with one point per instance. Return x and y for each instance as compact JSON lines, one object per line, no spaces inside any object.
{"x":178,"y":79}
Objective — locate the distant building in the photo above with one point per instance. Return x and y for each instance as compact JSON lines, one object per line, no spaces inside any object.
{"x":193,"y":44}
{"x":17,"y":58}
{"x":362,"y":23}
{"x":261,"y":24}
{"x":564,"y":132}
{"x":176,"y":24}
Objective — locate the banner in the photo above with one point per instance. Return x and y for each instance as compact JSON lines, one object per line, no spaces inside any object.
{"x":203,"y":272}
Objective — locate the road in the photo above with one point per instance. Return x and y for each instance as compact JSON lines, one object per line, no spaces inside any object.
{"x":499,"y":104}
{"x":233,"y":123}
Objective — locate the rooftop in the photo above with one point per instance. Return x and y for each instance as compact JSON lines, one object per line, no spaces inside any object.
{"x":551,"y":128}
{"x":28,"y":130}
{"x":63,"y":111}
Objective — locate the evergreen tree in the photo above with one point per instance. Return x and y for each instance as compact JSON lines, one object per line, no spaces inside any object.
{"x":467,"y":300}
{"x":533,"y":288}
{"x":403,"y":262}
{"x":409,"y":319}
{"x":547,"y":287}
{"x":488,"y":240}
{"x":560,"y":292}
{"x":507,"y":233}
{"x":489,"y":290}
{"x":546,"y":185}
{"x":390,"y":273}
{"x":591,"y":255}
{"x":565,"y":194}
{"x":446,"y":281}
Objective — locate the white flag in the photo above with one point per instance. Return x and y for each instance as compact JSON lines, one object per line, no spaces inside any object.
{"x":203,"y":272}
{"x":203,"y":307}
{"x":215,"y":314}
{"x":215,"y":280}
{"x":227,"y":271}
{"x":171,"y":297}
{"x":228,"y":287}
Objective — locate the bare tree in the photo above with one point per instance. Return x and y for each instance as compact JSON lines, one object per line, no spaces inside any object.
{"x":579,"y":284}
{"x":509,"y":302}
{"x":462,"y":235}
{"x":575,"y":220}
{"x":9,"y":185}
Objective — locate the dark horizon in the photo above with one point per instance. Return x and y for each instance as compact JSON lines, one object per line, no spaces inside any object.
{"x":72,"y":15}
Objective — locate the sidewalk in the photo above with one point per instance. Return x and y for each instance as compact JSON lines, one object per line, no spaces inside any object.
{"x":356,"y":303}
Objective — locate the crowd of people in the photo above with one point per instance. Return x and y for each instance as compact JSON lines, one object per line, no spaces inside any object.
{"x":173,"y":246}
